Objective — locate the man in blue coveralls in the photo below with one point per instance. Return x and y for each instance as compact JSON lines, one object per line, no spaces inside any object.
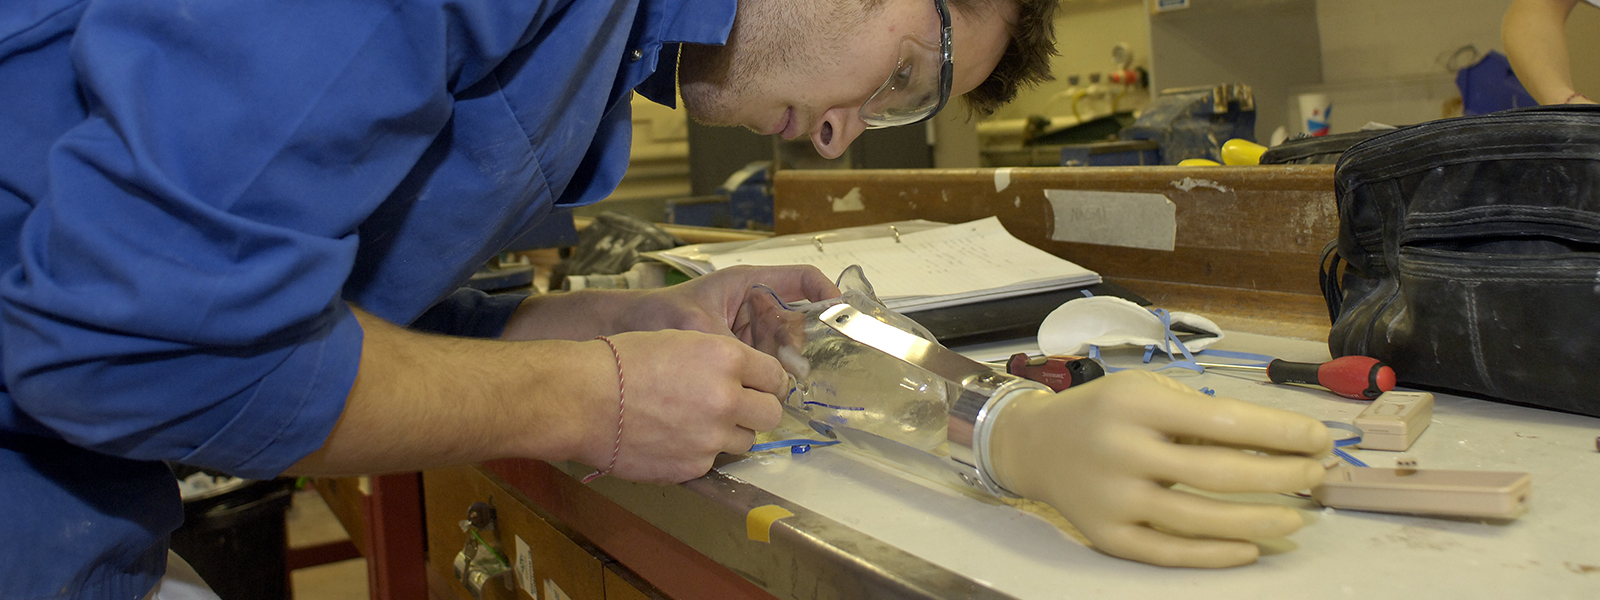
{"x":234,"y":232}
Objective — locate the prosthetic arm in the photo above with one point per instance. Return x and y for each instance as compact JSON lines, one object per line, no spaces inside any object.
{"x":1103,"y":454}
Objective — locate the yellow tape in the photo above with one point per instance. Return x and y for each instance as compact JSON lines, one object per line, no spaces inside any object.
{"x":758,"y":522}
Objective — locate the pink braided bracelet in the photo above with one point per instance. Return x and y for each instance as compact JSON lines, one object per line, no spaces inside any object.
{"x":622,"y":405}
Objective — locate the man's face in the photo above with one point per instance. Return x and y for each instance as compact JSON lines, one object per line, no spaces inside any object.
{"x":805,"y":67}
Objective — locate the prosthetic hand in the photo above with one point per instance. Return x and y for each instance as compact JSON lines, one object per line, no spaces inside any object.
{"x":1104,"y":454}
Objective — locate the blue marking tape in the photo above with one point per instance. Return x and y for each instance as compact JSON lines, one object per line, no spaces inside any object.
{"x":793,"y":445}
{"x":1349,"y":441}
{"x":833,"y":407}
{"x":1347,"y":458}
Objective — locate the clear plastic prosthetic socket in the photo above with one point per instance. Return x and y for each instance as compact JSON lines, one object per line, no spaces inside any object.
{"x":877,"y":381}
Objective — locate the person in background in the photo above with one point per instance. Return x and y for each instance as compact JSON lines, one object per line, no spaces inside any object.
{"x":1534,"y":34}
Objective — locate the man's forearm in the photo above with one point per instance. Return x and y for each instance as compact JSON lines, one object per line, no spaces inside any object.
{"x":423,"y":401}
{"x":576,"y":316}
{"x":1534,"y":35}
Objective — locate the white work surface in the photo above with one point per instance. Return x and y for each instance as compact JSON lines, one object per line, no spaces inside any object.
{"x":1552,"y":551}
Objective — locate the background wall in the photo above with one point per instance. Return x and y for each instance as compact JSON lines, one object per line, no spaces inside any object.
{"x":1378,"y":60}
{"x":1086,"y":30}
{"x":1375,"y":39}
{"x":1366,"y":39}
{"x":1583,"y":48}
{"x":1386,"y":61}
{"x":1270,"y":45}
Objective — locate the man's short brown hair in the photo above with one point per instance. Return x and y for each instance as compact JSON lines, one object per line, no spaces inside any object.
{"x":1026,"y":61}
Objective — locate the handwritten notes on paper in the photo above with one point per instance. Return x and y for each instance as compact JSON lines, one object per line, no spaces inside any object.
{"x":937,"y":267}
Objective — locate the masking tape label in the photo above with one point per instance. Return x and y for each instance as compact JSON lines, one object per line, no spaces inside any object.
{"x":554,"y":592}
{"x":524,"y":568}
{"x":1130,"y":219}
{"x":758,"y":522}
{"x":1189,"y":184}
{"x":1002,"y":179}
{"x":850,"y":202}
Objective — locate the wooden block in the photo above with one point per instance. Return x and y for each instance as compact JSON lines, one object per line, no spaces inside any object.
{"x":622,"y":584}
{"x":1241,"y":229}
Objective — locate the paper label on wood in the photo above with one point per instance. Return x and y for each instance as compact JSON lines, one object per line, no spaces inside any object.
{"x":554,"y":592}
{"x":524,"y":568}
{"x":1133,"y":220}
{"x":850,"y":202}
{"x":1002,"y":179}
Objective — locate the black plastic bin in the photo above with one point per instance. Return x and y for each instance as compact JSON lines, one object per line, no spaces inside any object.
{"x":235,"y":538}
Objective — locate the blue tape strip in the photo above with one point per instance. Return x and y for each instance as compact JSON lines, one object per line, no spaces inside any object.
{"x":824,"y":405}
{"x":1171,"y":340}
{"x":1262,"y":358}
{"x":795,"y":445}
{"x":1349,"y":441}
{"x":1347,"y":458}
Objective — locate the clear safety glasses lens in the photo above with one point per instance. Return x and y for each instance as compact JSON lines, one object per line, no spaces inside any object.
{"x":911,"y":94}
{"x":920,"y":84}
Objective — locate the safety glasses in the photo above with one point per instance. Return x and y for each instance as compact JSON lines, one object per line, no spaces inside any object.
{"x":920,"y":84}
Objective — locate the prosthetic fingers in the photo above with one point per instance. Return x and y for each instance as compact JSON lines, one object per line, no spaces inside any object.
{"x":1108,"y":454}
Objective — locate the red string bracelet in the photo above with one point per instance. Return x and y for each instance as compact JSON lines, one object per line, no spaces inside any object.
{"x":1574,"y":95}
{"x":622,"y":405}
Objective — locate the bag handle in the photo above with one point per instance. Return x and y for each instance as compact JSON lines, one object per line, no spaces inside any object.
{"x":1328,"y":276}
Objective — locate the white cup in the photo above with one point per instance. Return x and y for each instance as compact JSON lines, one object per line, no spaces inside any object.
{"x":1315,"y":114}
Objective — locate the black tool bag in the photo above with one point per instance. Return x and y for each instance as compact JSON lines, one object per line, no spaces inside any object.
{"x":1324,"y":150}
{"x":1473,"y":251}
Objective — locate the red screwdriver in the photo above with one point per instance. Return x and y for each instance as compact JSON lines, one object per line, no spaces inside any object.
{"x":1358,"y":377}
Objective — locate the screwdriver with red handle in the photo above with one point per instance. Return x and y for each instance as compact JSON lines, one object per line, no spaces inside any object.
{"x":1358,"y":377}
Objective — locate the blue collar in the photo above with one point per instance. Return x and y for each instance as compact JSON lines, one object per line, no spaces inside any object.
{"x":670,"y":24}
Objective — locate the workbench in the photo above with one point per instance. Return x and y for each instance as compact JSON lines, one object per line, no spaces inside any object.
{"x":857,"y":529}
{"x":829,"y":524}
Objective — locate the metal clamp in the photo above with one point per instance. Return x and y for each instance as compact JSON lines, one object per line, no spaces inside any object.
{"x":478,"y":563}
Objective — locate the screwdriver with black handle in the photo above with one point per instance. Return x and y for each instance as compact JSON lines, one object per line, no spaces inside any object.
{"x":1358,"y":377}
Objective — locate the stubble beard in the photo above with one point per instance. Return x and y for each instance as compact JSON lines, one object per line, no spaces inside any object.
{"x":718,"y":81}
{"x":708,"y":85}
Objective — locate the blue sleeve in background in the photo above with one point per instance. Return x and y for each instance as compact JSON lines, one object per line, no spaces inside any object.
{"x":470,"y":313}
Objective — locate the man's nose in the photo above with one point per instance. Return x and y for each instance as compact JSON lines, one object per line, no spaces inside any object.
{"x":839,"y":127}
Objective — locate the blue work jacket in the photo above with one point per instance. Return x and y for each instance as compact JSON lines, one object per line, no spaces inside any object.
{"x":192,"y":191}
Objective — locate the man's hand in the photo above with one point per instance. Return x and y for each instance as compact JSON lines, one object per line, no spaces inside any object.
{"x":422,"y":401}
{"x":713,"y":303}
{"x":694,"y":385}
{"x":1103,"y":454}
{"x":689,"y":396}
{"x":709,"y":304}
